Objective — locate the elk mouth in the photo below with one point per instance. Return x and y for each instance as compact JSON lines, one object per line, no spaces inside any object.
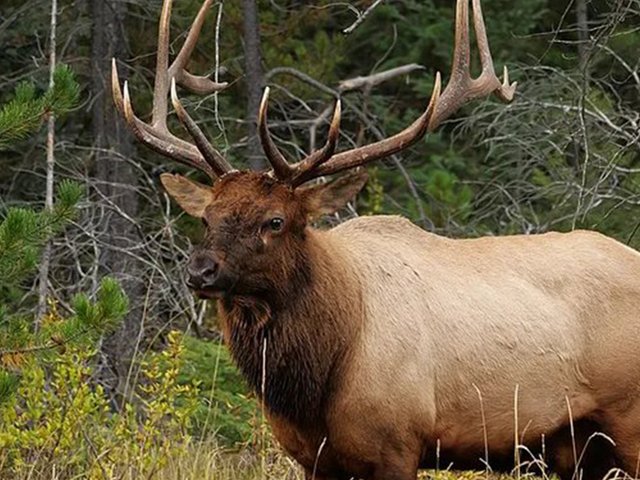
{"x":210,"y":293}
{"x":223,"y":286}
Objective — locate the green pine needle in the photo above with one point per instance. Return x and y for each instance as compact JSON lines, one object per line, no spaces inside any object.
{"x":24,"y":115}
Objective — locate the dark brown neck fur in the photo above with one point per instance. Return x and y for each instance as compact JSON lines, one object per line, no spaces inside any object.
{"x":306,"y":337}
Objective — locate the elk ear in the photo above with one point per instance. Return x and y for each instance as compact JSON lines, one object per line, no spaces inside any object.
{"x":327,"y":198}
{"x":192,"y":196}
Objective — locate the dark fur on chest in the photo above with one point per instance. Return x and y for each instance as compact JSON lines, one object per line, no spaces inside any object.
{"x":287,"y":359}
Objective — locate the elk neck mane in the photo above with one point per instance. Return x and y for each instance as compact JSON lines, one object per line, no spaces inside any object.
{"x":291,"y":351}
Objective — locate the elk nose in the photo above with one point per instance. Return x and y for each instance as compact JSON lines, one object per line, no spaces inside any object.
{"x":202,"y":271}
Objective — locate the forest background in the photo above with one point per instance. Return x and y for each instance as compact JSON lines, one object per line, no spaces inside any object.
{"x":110,"y":368}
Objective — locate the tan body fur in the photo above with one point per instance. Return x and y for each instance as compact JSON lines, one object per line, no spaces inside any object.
{"x":448,"y":330}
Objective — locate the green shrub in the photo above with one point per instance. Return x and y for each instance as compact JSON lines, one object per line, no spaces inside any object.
{"x":58,"y":417}
{"x":225,"y":408}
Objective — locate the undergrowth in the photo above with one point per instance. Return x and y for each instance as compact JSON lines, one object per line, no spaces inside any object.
{"x":189,"y":418}
{"x":59,"y":423}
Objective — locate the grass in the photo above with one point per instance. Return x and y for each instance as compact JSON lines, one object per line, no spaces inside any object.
{"x":198,"y":462}
{"x":195,"y":422}
{"x":206,"y":460}
{"x":225,"y":409}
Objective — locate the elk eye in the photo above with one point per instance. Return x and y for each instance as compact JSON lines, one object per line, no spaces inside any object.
{"x":276,"y":224}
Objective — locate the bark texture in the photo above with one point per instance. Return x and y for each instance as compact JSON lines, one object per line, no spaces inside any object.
{"x":582,"y":18}
{"x":254,"y":77}
{"x":115,"y":189}
{"x":43,"y":287}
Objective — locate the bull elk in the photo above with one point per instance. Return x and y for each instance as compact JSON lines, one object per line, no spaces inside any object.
{"x":378,"y":348}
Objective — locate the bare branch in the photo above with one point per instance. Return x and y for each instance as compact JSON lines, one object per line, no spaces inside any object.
{"x":375,"y":79}
{"x":361,"y":17}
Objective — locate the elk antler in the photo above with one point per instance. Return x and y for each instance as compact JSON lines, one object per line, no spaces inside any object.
{"x":156,"y":135}
{"x":461,"y":89}
{"x":295,"y":174}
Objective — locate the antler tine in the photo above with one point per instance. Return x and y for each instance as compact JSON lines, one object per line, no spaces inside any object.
{"x":200,"y":85}
{"x":158,"y":139}
{"x":116,"y":92}
{"x":169,"y":148}
{"x":161,"y":83}
{"x":505,"y":91}
{"x":136,"y":124}
{"x":156,"y":135}
{"x":368,"y":153}
{"x":462,"y":87}
{"x":317,"y":158}
{"x":281,"y":167}
{"x":164,"y":73}
{"x":215,"y":160}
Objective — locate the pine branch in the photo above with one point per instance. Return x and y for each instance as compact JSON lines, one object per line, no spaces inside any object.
{"x":90,"y":321}
{"x":23,"y":233}
{"x":24,"y":115}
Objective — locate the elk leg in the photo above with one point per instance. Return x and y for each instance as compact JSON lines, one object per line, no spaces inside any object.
{"x":624,"y":428}
{"x":397,"y":468}
{"x":628,"y":450}
{"x":394,"y":474}
{"x":594,"y":453}
{"x":309,"y":475}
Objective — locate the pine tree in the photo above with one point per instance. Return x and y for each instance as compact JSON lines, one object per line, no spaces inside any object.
{"x":24,"y":115}
{"x":24,"y":232}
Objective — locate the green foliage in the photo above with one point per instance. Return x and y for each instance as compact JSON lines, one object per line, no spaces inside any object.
{"x":20,"y":346}
{"x":225,"y":408}
{"x":24,"y":114}
{"x":23,"y":232}
{"x":65,"y":92}
{"x":58,"y":418}
{"x":451,"y":199}
{"x":8,"y":385}
{"x":53,"y":404}
{"x":375,"y":193}
{"x":104,"y":314}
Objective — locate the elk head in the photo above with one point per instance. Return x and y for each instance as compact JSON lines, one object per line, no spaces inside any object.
{"x":257,"y":221}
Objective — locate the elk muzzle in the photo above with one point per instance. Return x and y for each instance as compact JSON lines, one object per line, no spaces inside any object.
{"x":205,"y":275}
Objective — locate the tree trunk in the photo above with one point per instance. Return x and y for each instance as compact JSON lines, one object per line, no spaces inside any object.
{"x":254,"y":80}
{"x":115,"y":183}
{"x":583,"y":34}
{"x":45,"y":261}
